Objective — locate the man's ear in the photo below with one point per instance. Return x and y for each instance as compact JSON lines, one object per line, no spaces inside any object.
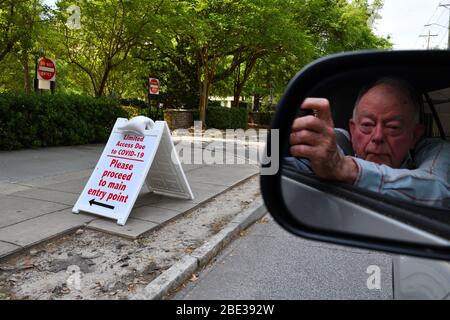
{"x":351,"y":126}
{"x":418,"y":132}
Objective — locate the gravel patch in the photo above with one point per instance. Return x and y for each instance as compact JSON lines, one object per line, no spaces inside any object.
{"x":94,"y":265}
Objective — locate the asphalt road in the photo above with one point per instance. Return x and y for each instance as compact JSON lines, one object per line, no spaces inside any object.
{"x":268,"y":263}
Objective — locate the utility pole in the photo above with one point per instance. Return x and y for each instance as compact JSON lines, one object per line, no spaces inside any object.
{"x":429,"y":35}
{"x":447,"y":6}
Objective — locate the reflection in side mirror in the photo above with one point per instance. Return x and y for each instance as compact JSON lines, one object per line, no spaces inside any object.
{"x":392,"y":192}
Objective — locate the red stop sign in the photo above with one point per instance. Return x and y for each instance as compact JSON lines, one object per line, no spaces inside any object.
{"x":153,"y":85}
{"x":46,"y":69}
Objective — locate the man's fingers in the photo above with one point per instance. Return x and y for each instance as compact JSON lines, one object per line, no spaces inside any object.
{"x":322,"y":107}
{"x":315,"y":103}
{"x":302,"y":151}
{"x":304,"y":137}
{"x":308,"y":123}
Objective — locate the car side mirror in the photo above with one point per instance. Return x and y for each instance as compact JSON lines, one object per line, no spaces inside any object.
{"x":343,"y":213}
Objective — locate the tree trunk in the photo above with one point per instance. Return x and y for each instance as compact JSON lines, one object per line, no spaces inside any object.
{"x":239,"y":81}
{"x":102,"y":86}
{"x":257,"y":102}
{"x":236,"y":91}
{"x":26,"y":72}
{"x":205,"y":76}
{"x":204,"y":95}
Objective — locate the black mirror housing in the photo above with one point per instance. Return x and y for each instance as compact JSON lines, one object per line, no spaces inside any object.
{"x":339,"y":79}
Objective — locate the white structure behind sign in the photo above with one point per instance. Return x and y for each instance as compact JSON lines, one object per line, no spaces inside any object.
{"x":137,"y":151}
{"x":44,"y":85}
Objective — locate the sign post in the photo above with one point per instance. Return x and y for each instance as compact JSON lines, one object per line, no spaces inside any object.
{"x":129,"y":160}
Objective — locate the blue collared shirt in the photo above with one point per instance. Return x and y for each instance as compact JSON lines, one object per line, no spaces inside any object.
{"x":423,"y":178}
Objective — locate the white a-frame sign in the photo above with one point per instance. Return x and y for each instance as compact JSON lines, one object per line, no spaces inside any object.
{"x":137,"y":151}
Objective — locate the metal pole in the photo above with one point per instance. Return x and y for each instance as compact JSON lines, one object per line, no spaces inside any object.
{"x":157,"y":107}
{"x":448,"y":29}
{"x":446,"y":6}
{"x":149,"y":104}
{"x":36,"y":81}
{"x":429,"y":35}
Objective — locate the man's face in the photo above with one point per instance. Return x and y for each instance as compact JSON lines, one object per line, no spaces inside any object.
{"x":384,"y":129}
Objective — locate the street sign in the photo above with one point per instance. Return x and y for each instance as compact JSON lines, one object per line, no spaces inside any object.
{"x":153,"y":86}
{"x":46,"y":69}
{"x":128,"y":160}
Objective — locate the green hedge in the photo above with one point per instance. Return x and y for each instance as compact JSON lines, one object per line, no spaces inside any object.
{"x":32,"y":121}
{"x":137,"y":107}
{"x":265,"y":118}
{"x":154,"y":114}
{"x":134,"y":102}
{"x":226,"y":118}
{"x":196,"y":115}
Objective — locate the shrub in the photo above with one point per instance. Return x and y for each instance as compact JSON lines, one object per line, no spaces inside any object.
{"x":31,"y":121}
{"x":136,"y":107}
{"x":132,"y":111}
{"x":134,"y":103}
{"x":196,"y":115}
{"x":214,"y":103}
{"x":226,"y":118}
{"x":154,"y":114}
{"x":265,"y":118}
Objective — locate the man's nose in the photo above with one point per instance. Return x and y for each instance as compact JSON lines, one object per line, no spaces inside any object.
{"x":378,"y":135}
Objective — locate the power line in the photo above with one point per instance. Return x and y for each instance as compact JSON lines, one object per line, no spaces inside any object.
{"x":430,"y":19}
{"x":442,"y":12}
{"x":435,"y":10}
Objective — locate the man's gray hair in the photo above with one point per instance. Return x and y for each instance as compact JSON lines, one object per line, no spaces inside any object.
{"x":401,"y":85}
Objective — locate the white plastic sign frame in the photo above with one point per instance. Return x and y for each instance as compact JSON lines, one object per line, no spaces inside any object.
{"x":128,"y":161}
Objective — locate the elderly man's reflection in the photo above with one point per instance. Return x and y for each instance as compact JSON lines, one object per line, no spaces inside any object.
{"x":390,"y":155}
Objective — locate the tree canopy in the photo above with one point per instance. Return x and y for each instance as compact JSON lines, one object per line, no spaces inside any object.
{"x":195,"y":47}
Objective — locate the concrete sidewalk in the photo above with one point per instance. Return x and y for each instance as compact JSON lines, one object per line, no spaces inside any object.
{"x":38,"y":189}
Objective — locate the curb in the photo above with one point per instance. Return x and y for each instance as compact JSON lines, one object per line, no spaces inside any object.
{"x":189,"y":263}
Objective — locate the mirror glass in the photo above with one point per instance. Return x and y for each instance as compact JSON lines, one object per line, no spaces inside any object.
{"x":387,"y":175}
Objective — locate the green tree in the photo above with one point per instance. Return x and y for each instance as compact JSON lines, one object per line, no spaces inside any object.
{"x":339,"y":25}
{"x":10,"y":25}
{"x":302,"y":31}
{"x":271,"y":33}
{"x":21,"y":23}
{"x":195,"y":47}
{"x":226,"y":38}
{"x":229,"y":37}
{"x":170,"y":60}
{"x":109,"y":31}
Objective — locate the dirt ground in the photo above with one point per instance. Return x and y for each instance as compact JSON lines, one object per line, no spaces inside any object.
{"x":94,"y":265}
